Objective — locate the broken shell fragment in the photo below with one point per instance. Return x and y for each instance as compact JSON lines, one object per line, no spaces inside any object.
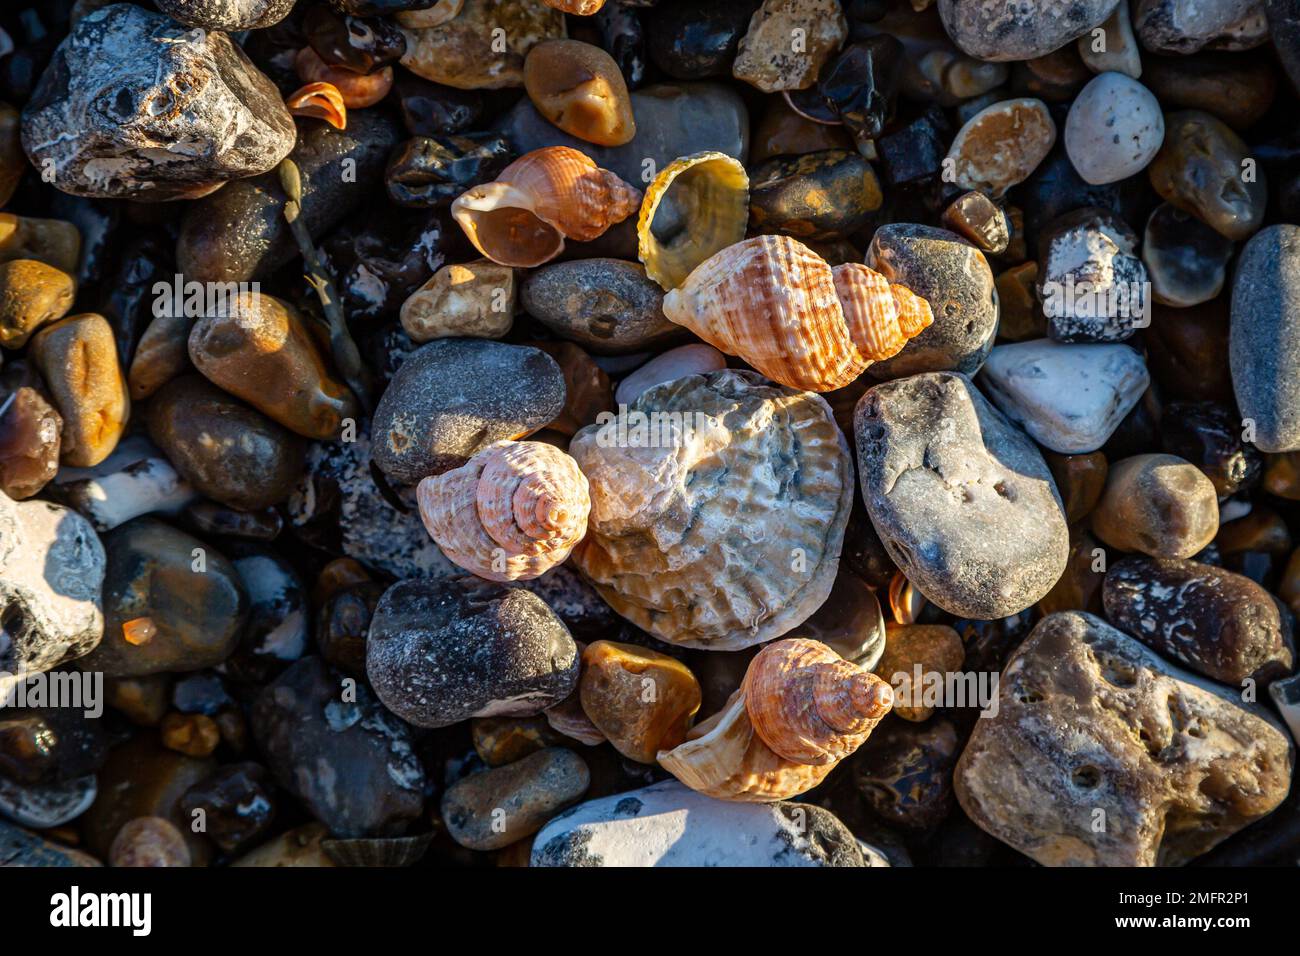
{"x":580,"y":89}
{"x":319,"y":101}
{"x":357,"y":90}
{"x":512,"y":512}
{"x":697,"y":206}
{"x":523,"y":217}
{"x":779,"y":306}
{"x":799,"y":694}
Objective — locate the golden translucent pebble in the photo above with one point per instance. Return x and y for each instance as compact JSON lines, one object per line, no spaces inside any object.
{"x":139,"y":630}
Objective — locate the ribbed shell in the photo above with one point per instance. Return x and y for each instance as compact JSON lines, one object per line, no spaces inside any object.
{"x":512,"y":512}
{"x":707,"y":196}
{"x":776,"y":304}
{"x":809,"y":704}
{"x":724,"y":534}
{"x":539,"y":200}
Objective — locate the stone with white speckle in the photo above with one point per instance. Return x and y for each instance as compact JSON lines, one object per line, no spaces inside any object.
{"x":1114,"y":129}
{"x":998,"y":30}
{"x":668,"y":824}
{"x":1069,"y":398}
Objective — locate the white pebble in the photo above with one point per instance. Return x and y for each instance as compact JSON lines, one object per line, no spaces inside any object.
{"x":1114,"y":129}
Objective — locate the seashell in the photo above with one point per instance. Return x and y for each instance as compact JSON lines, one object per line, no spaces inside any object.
{"x":579,"y":8}
{"x":705,"y":208}
{"x":697,"y":533}
{"x":809,"y":704}
{"x":791,"y":689}
{"x":513,"y":511}
{"x":523,"y":217}
{"x":776,"y":304}
{"x":378,"y":851}
{"x":358,"y":90}
{"x":906,"y":602}
{"x":319,"y":101}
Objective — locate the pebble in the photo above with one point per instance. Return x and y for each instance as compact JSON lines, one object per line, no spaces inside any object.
{"x":1116,"y":50}
{"x":13,"y":163}
{"x":1188,"y":26}
{"x":668,"y":824}
{"x":904,"y":772}
{"x":161,"y":613}
{"x":1264,"y":338}
{"x":1020,"y":315}
{"x":640,"y":700}
{"x":329,"y":743}
{"x":955,"y":278}
{"x":428,"y":422}
{"x":503,"y":740}
{"x":1095,"y":721}
{"x":607,"y":306}
{"x":934,"y":648}
{"x":817,"y":196}
{"x":494,"y":808}
{"x":962,"y":500}
{"x":1069,"y":398}
{"x":1022,"y":31}
{"x":980,"y":221}
{"x":19,"y":847}
{"x":226,"y":450}
{"x":475,"y":300}
{"x":149,"y":842}
{"x":1000,"y":146}
{"x":1238,"y":88}
{"x":669,"y":366}
{"x":239,"y":804}
{"x":43,"y":806}
{"x":783,"y":132}
{"x":463,"y":50}
{"x":580,"y":89}
{"x":1186,"y":259}
{"x":51,"y":571}
{"x":29,"y":436}
{"x":1080,"y":480}
{"x":136,"y":479}
{"x":1219,"y":624}
{"x":690,"y":42}
{"x":52,"y":241}
{"x":278,"y":626}
{"x":227,"y":14}
{"x":499,"y":652}
{"x":77,"y":358}
{"x":1185,"y":349}
{"x":1092,"y":284}
{"x":429,"y":172}
{"x":1210,"y":437}
{"x":1202,"y":168}
{"x":110,"y":106}
{"x":1161,"y":505}
{"x":849,"y":622}
{"x":1115,"y":128}
{"x":586,"y":387}
{"x":32,"y":294}
{"x":766,"y":57}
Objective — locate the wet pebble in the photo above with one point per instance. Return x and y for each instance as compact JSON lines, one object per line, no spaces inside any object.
{"x":429,"y":172}
{"x":1209,"y":435}
{"x":238,"y":804}
{"x":1203,"y":168}
{"x":816,"y":196}
{"x":904,"y":772}
{"x":492,"y":809}
{"x":580,"y":89}
{"x":1161,"y":505}
{"x":690,"y":42}
{"x":1186,"y":260}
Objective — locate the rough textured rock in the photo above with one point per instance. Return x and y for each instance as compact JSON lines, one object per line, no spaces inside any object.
{"x":996,"y":30}
{"x":1186,"y":26}
{"x":492,"y":809}
{"x":51,"y":569}
{"x":767,"y":57}
{"x":136,"y":106}
{"x":668,"y":824}
{"x":463,"y":51}
{"x":1217,"y":623}
{"x":440,"y":653}
{"x":455,"y":396}
{"x":1092,"y":726}
{"x":227,"y":14}
{"x":955,"y":278}
{"x":19,"y":847}
{"x":1069,"y":398}
{"x":349,"y":761}
{"x":1264,"y":337}
{"x":962,"y":500}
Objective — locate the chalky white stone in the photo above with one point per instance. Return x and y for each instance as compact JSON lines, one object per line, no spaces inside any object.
{"x":668,"y":824}
{"x":1069,"y":398}
{"x":1114,"y":129}
{"x":1112,"y":46}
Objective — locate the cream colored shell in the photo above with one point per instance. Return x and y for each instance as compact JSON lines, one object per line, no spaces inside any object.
{"x":718,"y":507}
{"x":511,"y":513}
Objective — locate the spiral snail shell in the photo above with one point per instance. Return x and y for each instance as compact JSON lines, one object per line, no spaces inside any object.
{"x":523,"y":217}
{"x":512,"y":512}
{"x":799,"y":711}
{"x":776,"y":304}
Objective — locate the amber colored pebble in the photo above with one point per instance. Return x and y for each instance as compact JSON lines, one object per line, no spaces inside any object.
{"x":580,"y":89}
{"x":1289,"y":587}
{"x":139,"y":630}
{"x":643,"y":701}
{"x":933,"y":648}
{"x":1079,"y":586}
{"x":144,"y":700}
{"x":588,"y":391}
{"x":783,"y":132}
{"x":1080,"y":480}
{"x":1261,"y":530}
{"x":977,"y":218}
{"x":1282,"y":475}
{"x":77,"y":357}
{"x":52,"y":241}
{"x":32,"y":294}
{"x":1021,"y":316}
{"x":195,"y":735}
{"x":338,"y":574}
{"x":162,"y":355}
{"x":29,"y":442}
{"x":149,"y":842}
{"x":502,"y":740}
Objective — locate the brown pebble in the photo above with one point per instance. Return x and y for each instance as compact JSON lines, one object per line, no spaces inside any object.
{"x":580,"y":89}
{"x":52,"y":241}
{"x":148,"y":841}
{"x":195,"y":735}
{"x":78,"y":358}
{"x":935,"y":648}
{"x":1161,"y":505}
{"x":1080,"y":480}
{"x":31,"y":294}
{"x":643,"y":701}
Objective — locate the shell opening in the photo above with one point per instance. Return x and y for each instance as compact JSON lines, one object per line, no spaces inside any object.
{"x":697,"y":206}
{"x":499,"y":220}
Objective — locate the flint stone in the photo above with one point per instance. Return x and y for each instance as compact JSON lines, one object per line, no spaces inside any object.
{"x":136,"y":106}
{"x":961,"y":498}
{"x":668,"y":824}
{"x":997,"y":30}
{"x":1089,"y":719}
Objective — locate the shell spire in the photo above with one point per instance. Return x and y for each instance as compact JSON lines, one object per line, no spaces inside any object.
{"x":776,"y":304}
{"x":809,"y":705}
{"x":522,"y":218}
{"x":512,"y":512}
